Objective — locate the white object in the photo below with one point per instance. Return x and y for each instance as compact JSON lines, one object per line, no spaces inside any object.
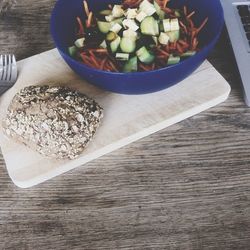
{"x":166,"y":25}
{"x":174,"y":24}
{"x":147,"y":8}
{"x":127,"y":118}
{"x":116,"y":28}
{"x":130,"y":33}
{"x":103,"y":44}
{"x":163,"y":38}
{"x":109,"y":18}
{"x":131,"y":13}
{"x":130,"y":24}
{"x":140,"y":16}
{"x":239,"y":41}
{"x":79,"y":43}
{"x":117,"y":11}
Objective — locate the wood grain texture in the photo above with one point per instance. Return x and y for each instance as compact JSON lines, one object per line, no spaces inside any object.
{"x":186,"y":187}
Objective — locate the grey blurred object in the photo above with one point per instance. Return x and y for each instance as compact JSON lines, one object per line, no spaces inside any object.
{"x":8,"y":72}
{"x":237,"y":18}
{"x":6,"y":5}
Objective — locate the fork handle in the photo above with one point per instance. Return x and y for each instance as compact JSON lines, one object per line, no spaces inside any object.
{"x":3,"y":89}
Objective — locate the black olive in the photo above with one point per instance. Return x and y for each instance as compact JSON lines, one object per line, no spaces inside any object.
{"x":145,"y":41}
{"x":93,"y":37}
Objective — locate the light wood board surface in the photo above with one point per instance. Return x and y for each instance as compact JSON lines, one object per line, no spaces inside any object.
{"x":184,"y":187}
{"x":127,"y":118}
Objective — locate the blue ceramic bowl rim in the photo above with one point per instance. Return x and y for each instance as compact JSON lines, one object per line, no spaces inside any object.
{"x":53,"y":31}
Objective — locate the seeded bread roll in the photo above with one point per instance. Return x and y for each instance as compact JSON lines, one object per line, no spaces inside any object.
{"x":55,"y":121}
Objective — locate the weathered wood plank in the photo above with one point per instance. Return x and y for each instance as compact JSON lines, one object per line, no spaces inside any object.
{"x":186,"y":187}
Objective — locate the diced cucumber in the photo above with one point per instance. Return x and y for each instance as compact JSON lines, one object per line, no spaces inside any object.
{"x":114,"y":45}
{"x":149,"y":26}
{"x":188,"y":53}
{"x":174,"y":24}
{"x":104,"y":27}
{"x":163,"y":38}
{"x":130,"y":34}
{"x":128,"y":45}
{"x":173,"y":35}
{"x":117,"y":20}
{"x":131,"y":65}
{"x":103,"y":44}
{"x":147,"y":7}
{"x":105,"y":12}
{"x":122,"y":56}
{"x":173,"y":60}
{"x":72,"y":50}
{"x":111,"y":36}
{"x":159,"y":11}
{"x":145,"y":56}
{"x":79,"y":43}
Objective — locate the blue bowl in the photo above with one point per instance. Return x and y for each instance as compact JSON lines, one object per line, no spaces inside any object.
{"x":62,"y":29}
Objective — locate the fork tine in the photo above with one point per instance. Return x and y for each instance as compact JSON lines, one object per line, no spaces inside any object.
{"x":4,"y":67}
{"x":13,"y":69}
{"x":1,"y":67}
{"x":9,"y":68}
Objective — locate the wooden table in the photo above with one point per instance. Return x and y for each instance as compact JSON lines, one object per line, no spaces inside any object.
{"x":186,"y":187}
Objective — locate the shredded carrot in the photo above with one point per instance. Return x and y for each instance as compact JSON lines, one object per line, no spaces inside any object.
{"x":153,"y":66}
{"x":165,"y":3}
{"x":86,"y":8}
{"x":113,"y":66}
{"x":183,"y":26}
{"x":191,"y":14}
{"x":104,"y":51}
{"x":185,"y":10}
{"x":179,"y":48}
{"x":81,"y":29}
{"x":90,"y":16}
{"x":162,"y":52}
{"x":202,"y":25}
{"x":103,"y":62}
{"x":144,"y":67}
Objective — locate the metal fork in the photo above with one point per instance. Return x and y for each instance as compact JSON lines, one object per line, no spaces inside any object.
{"x":8,"y":72}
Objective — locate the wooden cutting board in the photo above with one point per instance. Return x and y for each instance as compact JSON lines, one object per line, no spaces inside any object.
{"x":127,"y":118}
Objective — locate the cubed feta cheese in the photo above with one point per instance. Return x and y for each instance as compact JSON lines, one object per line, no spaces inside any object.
{"x":131,"y":13}
{"x":122,"y":56}
{"x":147,"y":8}
{"x":109,"y":18}
{"x":130,"y":24}
{"x":163,"y":38}
{"x":140,"y":16}
{"x":166,"y":25}
{"x":117,"y":11}
{"x":174,"y":23}
{"x":130,"y":33}
{"x":116,"y":28}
